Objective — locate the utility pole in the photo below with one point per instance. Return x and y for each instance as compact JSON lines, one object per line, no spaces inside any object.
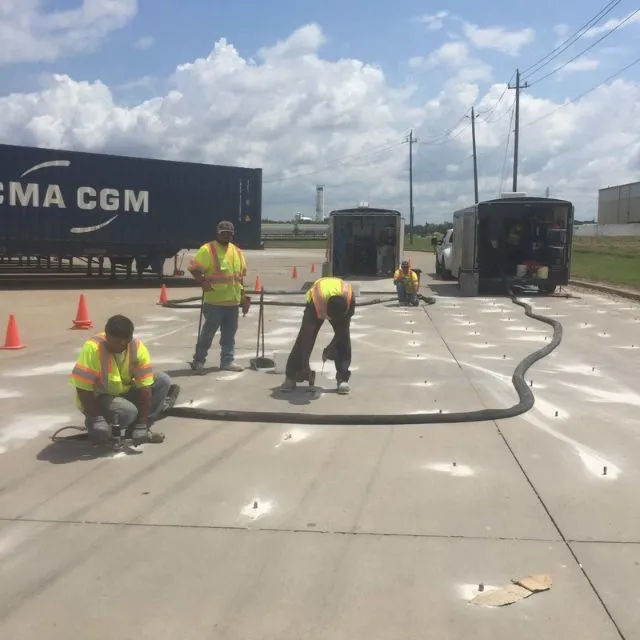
{"x":411,"y":140}
{"x":475,"y":155}
{"x":516,"y":138}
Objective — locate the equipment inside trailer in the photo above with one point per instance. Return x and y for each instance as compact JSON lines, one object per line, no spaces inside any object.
{"x":529,"y":243}
{"x":365,"y":245}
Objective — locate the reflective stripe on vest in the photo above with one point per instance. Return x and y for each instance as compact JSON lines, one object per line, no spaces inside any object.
{"x":100,"y":378}
{"x":320,"y":300}
{"x":218,"y":277}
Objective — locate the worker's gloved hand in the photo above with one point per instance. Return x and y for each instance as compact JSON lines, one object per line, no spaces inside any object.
{"x":99,"y":430}
{"x":206,"y":285}
{"x":139,"y":434}
{"x":246,"y":305}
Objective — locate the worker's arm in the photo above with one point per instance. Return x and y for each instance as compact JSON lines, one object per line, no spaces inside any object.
{"x":143,"y":380}
{"x":84,"y":378}
{"x":243,"y":266}
{"x":397,"y":276}
{"x":198,"y":267}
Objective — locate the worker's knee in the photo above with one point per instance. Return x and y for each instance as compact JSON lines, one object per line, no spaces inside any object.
{"x":126,"y":411}
{"x":161,"y":381}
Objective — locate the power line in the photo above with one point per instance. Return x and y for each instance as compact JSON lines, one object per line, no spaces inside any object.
{"x":563,"y":46}
{"x":586,"y":93}
{"x":591,"y":46}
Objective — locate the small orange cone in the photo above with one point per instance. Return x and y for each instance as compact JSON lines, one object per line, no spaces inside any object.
{"x":258,"y":285}
{"x":294,"y":272}
{"x":12,"y":340}
{"x":82,"y":316}
{"x":313,"y":267}
{"x":164,"y":297}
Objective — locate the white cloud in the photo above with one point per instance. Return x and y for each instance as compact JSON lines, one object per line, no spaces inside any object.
{"x":433,"y":22}
{"x":29,"y":33}
{"x":145,"y":42}
{"x":580,"y":64}
{"x":631,"y":18}
{"x":454,"y":56}
{"x":308,"y":120}
{"x":498,"y":38}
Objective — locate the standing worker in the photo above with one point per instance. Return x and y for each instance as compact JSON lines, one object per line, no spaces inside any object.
{"x":330,"y":298}
{"x":406,"y":281}
{"x":219,"y":267}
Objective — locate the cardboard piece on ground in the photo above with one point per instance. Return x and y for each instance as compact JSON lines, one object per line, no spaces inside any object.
{"x":518,"y":590}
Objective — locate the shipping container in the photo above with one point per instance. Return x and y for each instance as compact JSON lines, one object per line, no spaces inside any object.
{"x":76,"y":204}
{"x":519,"y":239}
{"x":620,"y":204}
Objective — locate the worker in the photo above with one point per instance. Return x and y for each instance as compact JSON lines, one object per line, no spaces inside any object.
{"x":330,"y":298}
{"x":406,"y":281}
{"x":117,"y":387}
{"x":219,"y":267}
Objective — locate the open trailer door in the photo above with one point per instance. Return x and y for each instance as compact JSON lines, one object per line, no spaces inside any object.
{"x":327,"y":265}
{"x":399,"y":242}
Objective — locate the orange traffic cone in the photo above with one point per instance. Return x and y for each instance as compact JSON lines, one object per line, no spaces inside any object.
{"x":82,"y":320}
{"x":12,"y":340}
{"x":163,"y":295}
{"x":258,"y":285}
{"x":313,"y":267}
{"x":294,"y":272}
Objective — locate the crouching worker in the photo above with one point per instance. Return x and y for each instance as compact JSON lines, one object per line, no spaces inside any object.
{"x":406,"y":281}
{"x":330,"y":298}
{"x":116,"y":386}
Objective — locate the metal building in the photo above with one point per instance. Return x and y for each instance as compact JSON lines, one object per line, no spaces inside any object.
{"x":619,"y":205}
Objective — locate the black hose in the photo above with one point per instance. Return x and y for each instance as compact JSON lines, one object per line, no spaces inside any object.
{"x":525,"y":395}
{"x":189,"y":303}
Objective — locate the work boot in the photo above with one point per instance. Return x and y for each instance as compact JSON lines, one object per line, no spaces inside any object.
{"x":288,"y":385}
{"x":197,"y":368}
{"x":232,"y":366}
{"x":343,"y":388}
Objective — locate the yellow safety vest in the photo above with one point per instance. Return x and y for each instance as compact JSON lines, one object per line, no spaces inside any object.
{"x":102,"y":372}
{"x":225,"y":268}
{"x":410,"y":275}
{"x":325,"y":288}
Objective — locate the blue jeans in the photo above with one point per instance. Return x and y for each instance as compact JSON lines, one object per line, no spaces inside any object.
{"x":125,"y":406}
{"x":225,"y":319}
{"x":402,"y":292}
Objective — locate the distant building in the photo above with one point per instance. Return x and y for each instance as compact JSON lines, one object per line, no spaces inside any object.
{"x":619,"y":205}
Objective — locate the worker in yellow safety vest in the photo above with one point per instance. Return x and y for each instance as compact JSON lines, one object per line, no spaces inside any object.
{"x":219,"y":267}
{"x":330,"y":298}
{"x":407,"y":283}
{"x":116,"y":386}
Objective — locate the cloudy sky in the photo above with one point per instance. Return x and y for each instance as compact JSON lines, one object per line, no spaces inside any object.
{"x":326,"y":93}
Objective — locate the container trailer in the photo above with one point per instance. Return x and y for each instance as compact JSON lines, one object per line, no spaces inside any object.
{"x":70,"y":204}
{"x":364,"y":241}
{"x":525,"y":240}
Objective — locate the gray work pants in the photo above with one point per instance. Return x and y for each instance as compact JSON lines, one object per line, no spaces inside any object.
{"x":125,"y":406}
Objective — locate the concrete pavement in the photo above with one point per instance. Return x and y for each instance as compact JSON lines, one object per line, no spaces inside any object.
{"x":231,"y":530}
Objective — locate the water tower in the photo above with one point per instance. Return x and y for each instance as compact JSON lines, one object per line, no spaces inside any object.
{"x":320,"y":203}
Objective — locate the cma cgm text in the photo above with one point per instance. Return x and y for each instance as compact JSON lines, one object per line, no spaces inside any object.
{"x":18,"y":194}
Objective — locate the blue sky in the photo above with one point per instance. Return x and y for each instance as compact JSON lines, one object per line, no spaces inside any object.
{"x":137,"y":49}
{"x":382,"y":33}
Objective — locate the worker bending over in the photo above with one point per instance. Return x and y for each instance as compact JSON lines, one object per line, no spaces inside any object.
{"x":219,"y":267}
{"x":116,"y":385}
{"x":406,"y":281}
{"x":330,"y":298}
